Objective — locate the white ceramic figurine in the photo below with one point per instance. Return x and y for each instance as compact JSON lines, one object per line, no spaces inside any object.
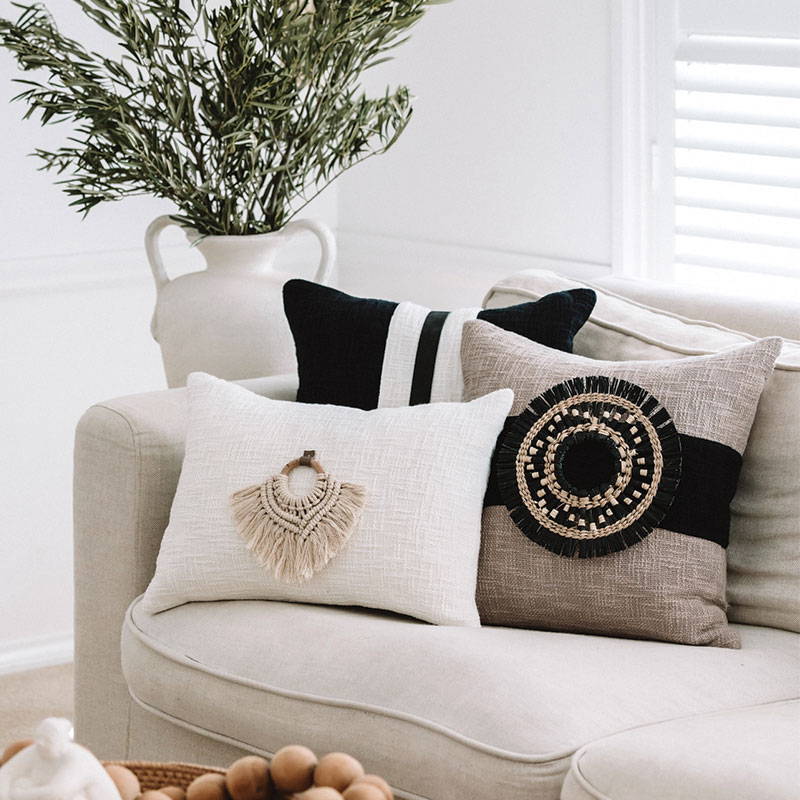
{"x":55,"y":768}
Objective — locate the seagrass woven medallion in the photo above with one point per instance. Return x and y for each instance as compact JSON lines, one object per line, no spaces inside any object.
{"x":590,"y":466}
{"x":293,"y":535}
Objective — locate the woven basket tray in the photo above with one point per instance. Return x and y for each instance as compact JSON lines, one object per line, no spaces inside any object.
{"x":156,"y":775}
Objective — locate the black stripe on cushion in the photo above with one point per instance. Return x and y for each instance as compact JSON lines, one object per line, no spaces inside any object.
{"x":425,"y":360}
{"x":701,"y":505}
{"x":340,"y":341}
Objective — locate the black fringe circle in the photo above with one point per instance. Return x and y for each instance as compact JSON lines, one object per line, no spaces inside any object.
{"x":590,"y":467}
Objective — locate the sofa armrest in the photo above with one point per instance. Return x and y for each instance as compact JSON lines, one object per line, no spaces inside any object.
{"x":128,"y":455}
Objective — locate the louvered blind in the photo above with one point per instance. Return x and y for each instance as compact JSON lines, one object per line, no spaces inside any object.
{"x":737,"y":153}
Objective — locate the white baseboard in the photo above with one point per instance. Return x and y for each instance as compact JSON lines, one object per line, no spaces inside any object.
{"x":435,"y":274}
{"x":41,"y":651}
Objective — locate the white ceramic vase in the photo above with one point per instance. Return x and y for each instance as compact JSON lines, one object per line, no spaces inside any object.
{"x":228,"y":319}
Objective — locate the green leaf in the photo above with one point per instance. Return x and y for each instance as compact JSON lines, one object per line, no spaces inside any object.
{"x":234,"y":113}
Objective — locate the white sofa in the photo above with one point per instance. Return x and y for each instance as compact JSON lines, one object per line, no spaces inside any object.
{"x":443,"y":713}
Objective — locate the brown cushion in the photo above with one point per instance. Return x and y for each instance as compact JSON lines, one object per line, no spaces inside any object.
{"x":597,"y":522}
{"x":764,"y":553}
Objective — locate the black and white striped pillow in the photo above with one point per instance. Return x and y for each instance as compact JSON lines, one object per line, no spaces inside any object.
{"x":365,"y":353}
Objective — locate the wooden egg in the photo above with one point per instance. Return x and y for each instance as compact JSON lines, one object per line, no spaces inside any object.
{"x":248,"y":779}
{"x":210,"y":786}
{"x":292,"y":768}
{"x":126,"y":782}
{"x":153,"y":794}
{"x":173,"y":792}
{"x":13,"y":749}
{"x":319,"y":793}
{"x":337,"y":770}
{"x":376,"y":780}
{"x":363,"y":791}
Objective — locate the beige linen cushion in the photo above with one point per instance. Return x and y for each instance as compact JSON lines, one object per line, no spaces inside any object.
{"x":764,"y":550}
{"x":415,"y":547}
{"x":669,"y":586}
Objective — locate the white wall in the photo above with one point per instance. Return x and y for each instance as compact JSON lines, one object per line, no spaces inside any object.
{"x":74,"y":305}
{"x":65,"y":348}
{"x":507,"y":157}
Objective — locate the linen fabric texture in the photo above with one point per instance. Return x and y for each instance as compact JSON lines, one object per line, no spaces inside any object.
{"x":741,"y":754}
{"x":368,"y":353}
{"x":669,"y":586}
{"x":415,"y":548}
{"x":512,"y":704}
{"x":764,"y":552}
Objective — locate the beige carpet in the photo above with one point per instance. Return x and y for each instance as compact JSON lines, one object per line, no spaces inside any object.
{"x":26,"y":698}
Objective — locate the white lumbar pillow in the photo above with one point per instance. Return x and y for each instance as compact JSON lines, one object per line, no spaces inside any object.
{"x":415,"y":547}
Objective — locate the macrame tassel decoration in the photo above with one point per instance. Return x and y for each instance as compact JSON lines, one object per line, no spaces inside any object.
{"x":297,"y":535}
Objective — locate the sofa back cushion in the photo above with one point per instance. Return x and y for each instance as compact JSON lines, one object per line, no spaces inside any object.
{"x":764,"y":550}
{"x":757,"y":316}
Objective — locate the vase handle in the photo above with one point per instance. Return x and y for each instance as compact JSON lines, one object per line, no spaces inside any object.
{"x":151,"y":237}
{"x":327,"y":263}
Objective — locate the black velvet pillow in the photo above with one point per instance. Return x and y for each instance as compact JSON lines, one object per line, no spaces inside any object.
{"x":353,"y":351}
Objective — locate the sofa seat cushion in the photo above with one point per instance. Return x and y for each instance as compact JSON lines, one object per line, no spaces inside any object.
{"x":754,"y":752}
{"x":442,"y":712}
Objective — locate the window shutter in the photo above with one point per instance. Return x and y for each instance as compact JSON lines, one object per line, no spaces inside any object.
{"x":737,"y":153}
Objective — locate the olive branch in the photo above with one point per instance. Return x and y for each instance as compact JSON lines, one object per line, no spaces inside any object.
{"x":239,"y":114}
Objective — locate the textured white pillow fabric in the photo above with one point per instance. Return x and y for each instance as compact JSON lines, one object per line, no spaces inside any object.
{"x":415,"y":548}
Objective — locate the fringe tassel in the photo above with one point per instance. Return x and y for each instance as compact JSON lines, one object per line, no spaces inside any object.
{"x":599,"y":393}
{"x":295,"y":543}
